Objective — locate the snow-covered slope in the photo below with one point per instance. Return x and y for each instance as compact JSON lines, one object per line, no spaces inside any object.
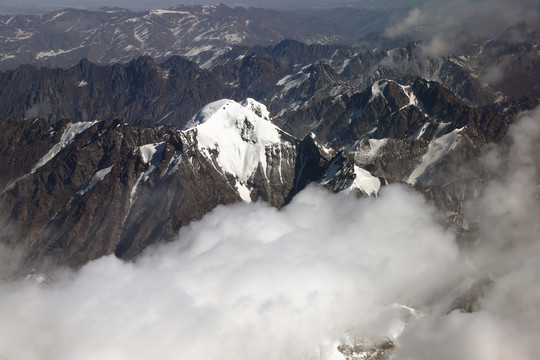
{"x":242,"y":142}
{"x":238,"y":137}
{"x":436,"y":151}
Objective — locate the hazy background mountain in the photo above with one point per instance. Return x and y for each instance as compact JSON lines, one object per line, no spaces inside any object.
{"x":30,"y":7}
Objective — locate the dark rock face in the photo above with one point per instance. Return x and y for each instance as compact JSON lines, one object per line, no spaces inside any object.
{"x":138,"y":92}
{"x":422,"y":110}
{"x":21,"y":146}
{"x":252,"y":74}
{"x":66,"y":211}
{"x":311,"y":164}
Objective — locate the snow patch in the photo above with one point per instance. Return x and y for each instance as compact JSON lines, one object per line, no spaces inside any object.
{"x":67,"y":138}
{"x":165,"y":116}
{"x":98,"y":176}
{"x":54,"y":17}
{"x":152,"y":154}
{"x":243,"y":191}
{"x":194,"y":51}
{"x":51,"y":53}
{"x":149,"y":150}
{"x":366,"y":150}
{"x":437,"y":149}
{"x":345,"y":65}
{"x":413,"y":101}
{"x":364,"y":182}
{"x":7,"y":57}
{"x":174,"y":163}
{"x":283,"y":80}
{"x":291,"y":108}
{"x":290,"y":82}
{"x":82,"y":83}
{"x":163,"y":12}
{"x":420,"y":132}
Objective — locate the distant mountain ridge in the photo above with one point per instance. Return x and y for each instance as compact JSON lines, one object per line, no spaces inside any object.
{"x":300,"y":83}
{"x":200,"y":33}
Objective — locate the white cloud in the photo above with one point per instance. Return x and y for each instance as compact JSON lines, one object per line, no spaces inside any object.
{"x":413,"y":19}
{"x":478,"y":336}
{"x":247,"y":281}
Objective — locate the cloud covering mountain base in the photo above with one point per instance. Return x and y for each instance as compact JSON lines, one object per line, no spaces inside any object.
{"x":252,"y":281}
{"x":246,"y":281}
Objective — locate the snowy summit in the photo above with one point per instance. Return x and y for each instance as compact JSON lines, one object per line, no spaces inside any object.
{"x":239,"y":133}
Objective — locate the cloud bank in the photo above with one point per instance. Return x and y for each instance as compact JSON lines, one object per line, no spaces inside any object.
{"x":247,"y":281}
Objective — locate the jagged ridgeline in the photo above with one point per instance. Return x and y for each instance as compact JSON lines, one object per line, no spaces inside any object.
{"x":75,"y":191}
{"x":302,"y":85}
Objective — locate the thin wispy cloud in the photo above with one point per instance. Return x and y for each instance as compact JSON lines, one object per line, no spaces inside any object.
{"x":447,"y":28}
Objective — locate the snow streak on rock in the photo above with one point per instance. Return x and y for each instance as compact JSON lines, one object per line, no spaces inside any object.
{"x":68,"y":137}
{"x":97,"y":177}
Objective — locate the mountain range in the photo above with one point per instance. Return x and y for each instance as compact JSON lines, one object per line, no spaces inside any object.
{"x":110,"y":157}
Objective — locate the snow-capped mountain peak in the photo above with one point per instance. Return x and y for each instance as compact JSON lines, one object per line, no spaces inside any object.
{"x":237,"y":136}
{"x":224,"y":109}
